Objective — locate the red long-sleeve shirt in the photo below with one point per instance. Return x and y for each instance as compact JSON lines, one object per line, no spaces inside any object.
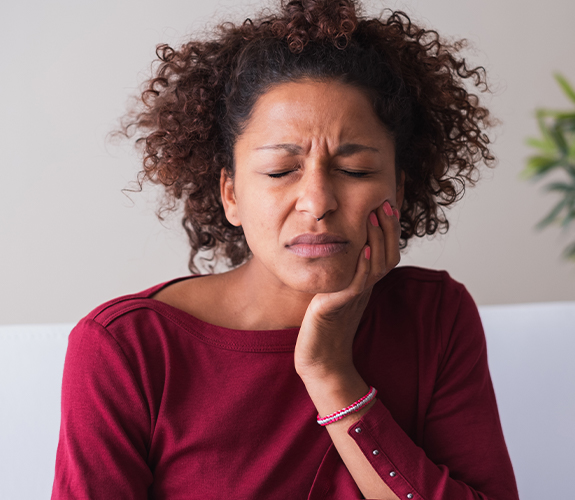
{"x":158,"y":404}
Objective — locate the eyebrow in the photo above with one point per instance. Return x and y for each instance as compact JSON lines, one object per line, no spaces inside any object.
{"x":347,"y":149}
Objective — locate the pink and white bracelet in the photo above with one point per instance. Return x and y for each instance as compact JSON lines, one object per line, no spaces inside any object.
{"x":352,"y":408}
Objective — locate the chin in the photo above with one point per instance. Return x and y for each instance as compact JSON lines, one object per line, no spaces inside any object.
{"x":320,"y":280}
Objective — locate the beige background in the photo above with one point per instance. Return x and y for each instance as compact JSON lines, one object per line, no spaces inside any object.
{"x":70,"y":239}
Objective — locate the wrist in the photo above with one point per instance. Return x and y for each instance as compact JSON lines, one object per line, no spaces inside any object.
{"x":333,"y":392}
{"x":354,"y":408}
{"x":332,"y":381}
{"x":329,"y":372}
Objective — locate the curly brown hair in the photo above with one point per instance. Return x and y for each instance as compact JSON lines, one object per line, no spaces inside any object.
{"x":201,"y":95}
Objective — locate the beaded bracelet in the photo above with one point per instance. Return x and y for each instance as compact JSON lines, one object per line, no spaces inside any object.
{"x":352,"y":408}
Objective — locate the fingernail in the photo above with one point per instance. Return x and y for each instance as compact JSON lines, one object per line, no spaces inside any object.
{"x":387,"y":209}
{"x":367,"y":253}
{"x":373,"y":219}
{"x":396,"y":213}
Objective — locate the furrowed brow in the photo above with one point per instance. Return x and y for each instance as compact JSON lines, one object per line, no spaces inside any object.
{"x":349,"y":149}
{"x":344,"y":150}
{"x":292,"y":149}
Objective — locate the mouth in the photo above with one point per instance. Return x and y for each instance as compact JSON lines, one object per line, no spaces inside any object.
{"x":317,"y":245}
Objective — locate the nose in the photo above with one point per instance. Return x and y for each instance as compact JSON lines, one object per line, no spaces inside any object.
{"x":316,"y":195}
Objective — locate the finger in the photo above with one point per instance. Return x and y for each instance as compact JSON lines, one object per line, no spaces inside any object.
{"x":355,"y":295}
{"x":362,"y":271}
{"x":391,"y":233}
{"x":376,"y":240}
{"x":384,"y":240}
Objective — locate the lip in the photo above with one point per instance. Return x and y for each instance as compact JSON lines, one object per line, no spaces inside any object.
{"x":317,"y":245}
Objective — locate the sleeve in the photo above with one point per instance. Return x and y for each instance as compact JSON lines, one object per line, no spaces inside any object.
{"x":464,"y":455}
{"x":105,"y":424}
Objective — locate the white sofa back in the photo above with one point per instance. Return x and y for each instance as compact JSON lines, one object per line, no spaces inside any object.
{"x":530,"y":348}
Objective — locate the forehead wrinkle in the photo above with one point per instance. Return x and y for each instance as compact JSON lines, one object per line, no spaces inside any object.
{"x":344,"y":150}
{"x":349,"y":149}
{"x":292,"y":149}
{"x":283,"y":119}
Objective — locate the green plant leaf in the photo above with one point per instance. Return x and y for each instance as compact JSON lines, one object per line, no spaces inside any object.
{"x":556,"y":150}
{"x":552,"y":216}
{"x":559,"y":139}
{"x":561,"y":187}
{"x":543,"y":128}
{"x":569,"y":252}
{"x":570,"y":215}
{"x":538,"y":143}
{"x":539,"y":165}
{"x":568,"y":116}
{"x":568,"y":219}
{"x":569,"y":92}
{"x":546,"y":145}
{"x":559,"y":114}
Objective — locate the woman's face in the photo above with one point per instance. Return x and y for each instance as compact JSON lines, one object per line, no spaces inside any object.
{"x":311,"y":150}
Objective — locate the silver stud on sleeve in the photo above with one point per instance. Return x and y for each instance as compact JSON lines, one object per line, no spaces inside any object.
{"x":358,"y":429}
{"x":410,"y":495}
{"x":392,"y":473}
{"x":375,"y":452}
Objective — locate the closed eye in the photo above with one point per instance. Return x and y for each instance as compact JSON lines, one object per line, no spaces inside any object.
{"x":279,"y":174}
{"x":351,"y":173}
{"x":355,"y":173}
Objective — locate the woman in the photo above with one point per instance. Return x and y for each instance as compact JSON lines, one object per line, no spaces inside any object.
{"x":307,"y":147}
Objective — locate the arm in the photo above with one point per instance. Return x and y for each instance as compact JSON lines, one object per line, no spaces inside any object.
{"x":105,"y":424}
{"x":330,"y":396}
{"x":465,"y":455}
{"x":323,"y":354}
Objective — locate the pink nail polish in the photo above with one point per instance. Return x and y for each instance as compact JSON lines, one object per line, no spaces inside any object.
{"x":396,"y":213}
{"x":367,"y":253}
{"x":387,"y":209}
{"x":373,"y":219}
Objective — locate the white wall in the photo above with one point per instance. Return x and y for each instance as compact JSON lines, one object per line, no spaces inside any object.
{"x":69,"y":238}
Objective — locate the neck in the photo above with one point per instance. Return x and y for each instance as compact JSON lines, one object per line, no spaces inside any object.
{"x":261,"y":302}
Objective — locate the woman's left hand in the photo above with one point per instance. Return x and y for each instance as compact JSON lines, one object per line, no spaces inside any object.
{"x":324,"y":345}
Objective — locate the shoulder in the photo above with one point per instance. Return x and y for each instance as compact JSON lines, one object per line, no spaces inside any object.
{"x":419,"y":281}
{"x":425,"y":295}
{"x":129,"y":322}
{"x":127,"y":331}
{"x":139,"y":303}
